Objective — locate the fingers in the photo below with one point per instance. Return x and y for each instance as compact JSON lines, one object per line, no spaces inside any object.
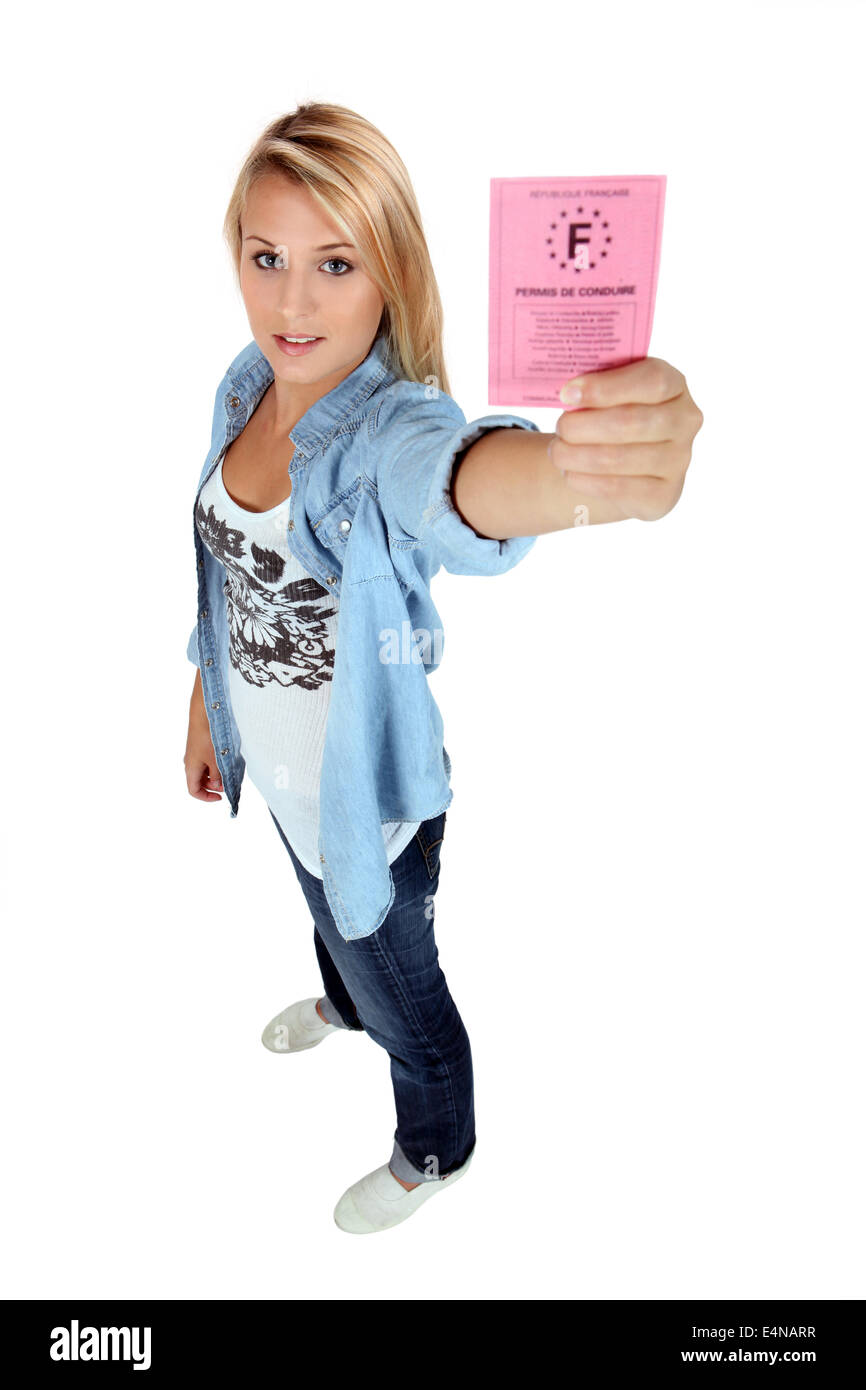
{"x":621,"y":424}
{"x":628,"y":460}
{"x":651,"y":379}
{"x":202,"y":783}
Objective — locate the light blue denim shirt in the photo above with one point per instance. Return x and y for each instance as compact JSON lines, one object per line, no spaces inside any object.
{"x":372,"y":518}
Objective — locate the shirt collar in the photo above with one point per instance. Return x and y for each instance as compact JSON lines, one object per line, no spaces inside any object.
{"x":252,"y":374}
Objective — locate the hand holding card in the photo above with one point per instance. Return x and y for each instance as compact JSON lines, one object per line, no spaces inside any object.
{"x":573,"y":272}
{"x":625,"y":443}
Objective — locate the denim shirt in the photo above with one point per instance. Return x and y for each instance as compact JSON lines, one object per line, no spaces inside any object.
{"x":371,"y":518}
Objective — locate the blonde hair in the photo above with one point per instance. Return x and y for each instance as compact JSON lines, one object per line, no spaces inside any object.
{"x":358,"y":178}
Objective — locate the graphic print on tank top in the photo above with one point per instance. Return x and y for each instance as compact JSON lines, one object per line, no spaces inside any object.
{"x":282,"y":628}
{"x":276,"y":632}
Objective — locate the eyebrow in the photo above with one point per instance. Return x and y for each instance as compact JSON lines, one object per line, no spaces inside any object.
{"x":332,"y":246}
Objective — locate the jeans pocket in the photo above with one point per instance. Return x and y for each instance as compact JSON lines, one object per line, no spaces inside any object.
{"x":429,"y":835}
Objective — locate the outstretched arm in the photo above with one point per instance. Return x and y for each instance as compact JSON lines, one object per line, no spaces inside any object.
{"x":622,"y":452}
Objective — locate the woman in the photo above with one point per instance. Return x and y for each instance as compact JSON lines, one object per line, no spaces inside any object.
{"x":327,"y":502}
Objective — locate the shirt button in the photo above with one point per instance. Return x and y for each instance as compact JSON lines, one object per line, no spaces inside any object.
{"x":209,"y":661}
{"x":332,"y":579}
{"x":224,"y":751}
{"x":203,"y":613}
{"x":201,"y":564}
{"x":235,"y":402}
{"x":321,"y":858}
{"x":291,"y":525}
{"x":345,"y":525}
{"x":215,"y":705}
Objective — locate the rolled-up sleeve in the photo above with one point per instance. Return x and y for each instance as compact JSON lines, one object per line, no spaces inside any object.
{"x":418,"y":440}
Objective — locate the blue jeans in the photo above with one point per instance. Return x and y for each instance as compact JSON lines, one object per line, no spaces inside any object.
{"x":390,"y":985}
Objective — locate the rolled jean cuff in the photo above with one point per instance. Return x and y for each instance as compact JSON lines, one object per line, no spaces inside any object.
{"x":403,"y":1168}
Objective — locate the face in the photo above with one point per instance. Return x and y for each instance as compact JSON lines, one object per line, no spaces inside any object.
{"x":299,"y":278}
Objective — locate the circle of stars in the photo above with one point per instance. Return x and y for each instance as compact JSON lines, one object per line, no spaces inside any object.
{"x":603,"y":226}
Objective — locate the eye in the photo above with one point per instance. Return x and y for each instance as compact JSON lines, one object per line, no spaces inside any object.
{"x":338,"y":260}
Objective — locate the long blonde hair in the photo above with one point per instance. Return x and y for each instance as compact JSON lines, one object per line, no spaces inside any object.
{"x":358,"y":178}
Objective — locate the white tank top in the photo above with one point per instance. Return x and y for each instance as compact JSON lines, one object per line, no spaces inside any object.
{"x":282,"y":637}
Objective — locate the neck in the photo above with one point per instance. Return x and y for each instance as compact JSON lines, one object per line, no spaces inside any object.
{"x":278,"y":419}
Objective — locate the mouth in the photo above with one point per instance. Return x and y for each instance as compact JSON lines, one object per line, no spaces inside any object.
{"x":296,"y":347}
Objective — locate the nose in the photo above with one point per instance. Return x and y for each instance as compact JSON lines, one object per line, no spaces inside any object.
{"x":296,"y":294}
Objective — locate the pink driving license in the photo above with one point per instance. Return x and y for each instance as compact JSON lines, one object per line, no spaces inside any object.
{"x":573,"y":270}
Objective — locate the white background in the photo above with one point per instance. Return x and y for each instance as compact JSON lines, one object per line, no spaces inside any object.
{"x":651,"y":912}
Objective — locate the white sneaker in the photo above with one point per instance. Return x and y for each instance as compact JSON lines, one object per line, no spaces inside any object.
{"x":379,"y":1201}
{"x":297,"y":1028}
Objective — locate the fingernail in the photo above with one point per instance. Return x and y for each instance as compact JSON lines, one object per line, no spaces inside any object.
{"x":571,"y":395}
